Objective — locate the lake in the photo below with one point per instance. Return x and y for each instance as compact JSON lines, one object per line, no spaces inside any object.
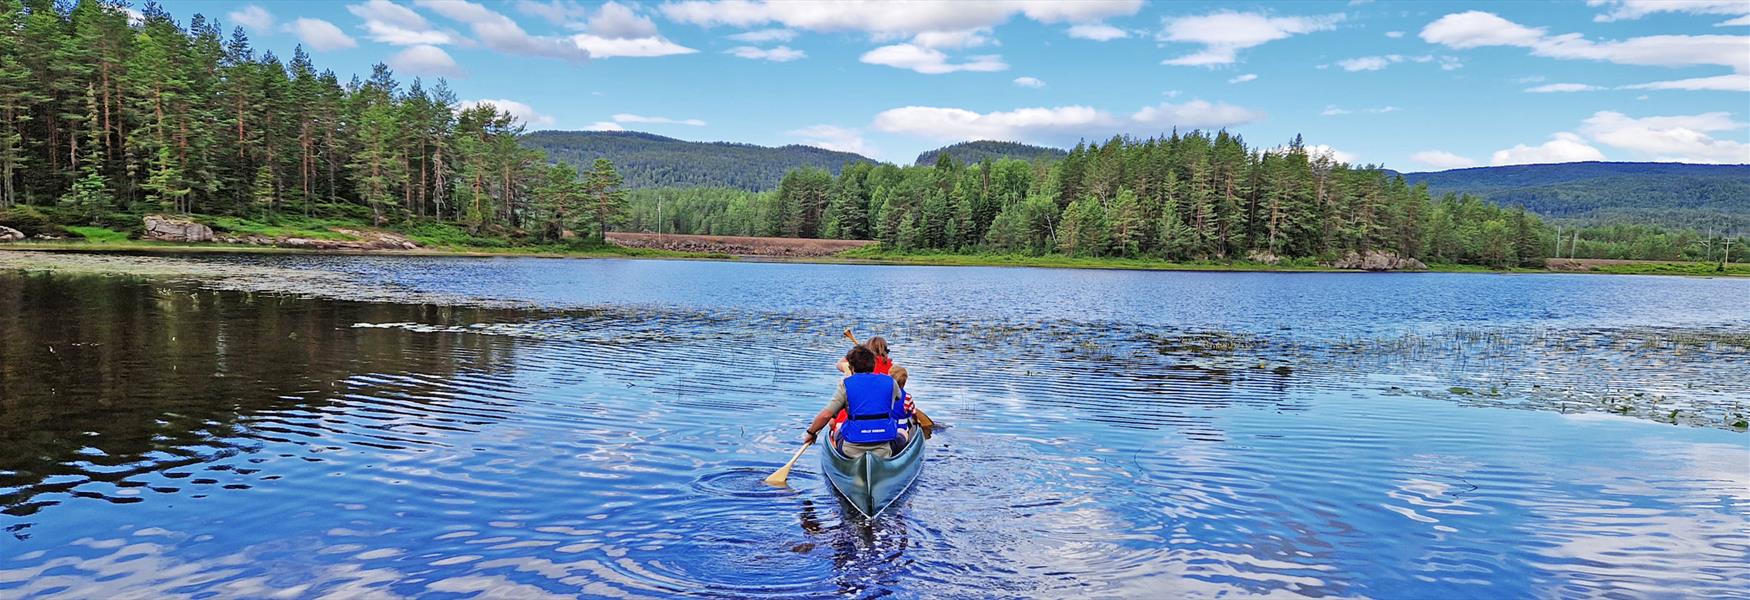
{"x":345,"y":427}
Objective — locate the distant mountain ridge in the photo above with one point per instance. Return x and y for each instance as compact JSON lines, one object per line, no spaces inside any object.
{"x":1672,"y":194}
{"x":648,"y":160}
{"x":977,"y":151}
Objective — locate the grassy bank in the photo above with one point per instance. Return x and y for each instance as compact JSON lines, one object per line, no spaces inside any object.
{"x":121,"y":232}
{"x":549,"y":251}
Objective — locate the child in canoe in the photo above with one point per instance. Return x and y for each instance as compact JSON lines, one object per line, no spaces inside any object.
{"x":878,"y":345}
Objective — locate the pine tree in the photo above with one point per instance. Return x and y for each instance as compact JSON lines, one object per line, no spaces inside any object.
{"x":1126,"y":223}
{"x":606,"y":200}
{"x":17,"y":95}
{"x":262,"y":193}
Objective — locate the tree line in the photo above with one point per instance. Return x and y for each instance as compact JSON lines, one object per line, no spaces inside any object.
{"x":1185,"y":196}
{"x":100,"y":115}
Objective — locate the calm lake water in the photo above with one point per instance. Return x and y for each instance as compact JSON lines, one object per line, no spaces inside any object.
{"x":528,"y":428}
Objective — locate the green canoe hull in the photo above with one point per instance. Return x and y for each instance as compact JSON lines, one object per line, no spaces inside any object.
{"x":871,"y":483}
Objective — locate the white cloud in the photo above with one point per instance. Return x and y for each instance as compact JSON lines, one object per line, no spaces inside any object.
{"x":604,"y":126}
{"x":832,"y":137}
{"x":1316,"y":152}
{"x":1243,"y":78}
{"x":765,"y":35}
{"x":1394,"y":34}
{"x":390,"y":23}
{"x":1057,"y":124}
{"x":252,"y":16}
{"x":1329,"y":152}
{"x":320,"y":35}
{"x":1655,"y":50}
{"x":1562,"y":147}
{"x":965,"y":38}
{"x":522,"y":112}
{"x":1223,"y":34}
{"x":1196,"y":114}
{"x":1031,"y":82}
{"x":1099,"y":32}
{"x":1563,"y":87}
{"x":1671,"y":138}
{"x":1635,"y":9}
{"x":602,"y":47}
{"x":778,"y":54}
{"x":554,"y":11}
{"x":929,"y":60}
{"x":612,"y":30}
{"x":631,"y":118}
{"x":1375,"y":63}
{"x":389,"y":13}
{"x":1744,"y":20}
{"x":1367,"y":63}
{"x":1440,"y":159}
{"x":883,"y":18}
{"x":1019,"y":124}
{"x":502,"y":34}
{"x":1530,"y":79}
{"x":615,"y":20}
{"x":1332,"y":110}
{"x":1476,"y":29}
{"x":1724,"y":83}
{"x":426,"y":60}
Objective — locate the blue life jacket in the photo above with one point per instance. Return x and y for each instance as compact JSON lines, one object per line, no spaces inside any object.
{"x":871,"y":408}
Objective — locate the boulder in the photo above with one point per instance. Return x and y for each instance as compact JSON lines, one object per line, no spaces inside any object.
{"x":366,"y":240}
{"x":8,"y":234}
{"x":1378,"y":261}
{"x":1262,"y":256}
{"x":166,"y":229}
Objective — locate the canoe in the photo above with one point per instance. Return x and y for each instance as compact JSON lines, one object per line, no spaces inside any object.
{"x":869,"y":482}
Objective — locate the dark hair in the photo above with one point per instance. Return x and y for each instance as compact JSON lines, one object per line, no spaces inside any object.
{"x":861,"y":360}
{"x":878,"y":345}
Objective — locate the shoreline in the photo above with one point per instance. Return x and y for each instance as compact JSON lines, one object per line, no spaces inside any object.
{"x":1663,"y":268}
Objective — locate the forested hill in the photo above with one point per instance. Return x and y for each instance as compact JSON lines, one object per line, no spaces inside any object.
{"x":1672,"y":194}
{"x":649,"y":160}
{"x":972,"y":152}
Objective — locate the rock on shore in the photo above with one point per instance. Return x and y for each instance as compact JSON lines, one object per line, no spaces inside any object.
{"x":8,"y":234}
{"x":1378,"y":261}
{"x":166,"y":229}
{"x":362,"y":240}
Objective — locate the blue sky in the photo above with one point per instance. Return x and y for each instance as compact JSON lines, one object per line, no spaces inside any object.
{"x":1412,"y":85}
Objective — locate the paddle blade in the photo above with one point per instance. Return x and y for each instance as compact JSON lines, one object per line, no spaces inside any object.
{"x":781,"y":477}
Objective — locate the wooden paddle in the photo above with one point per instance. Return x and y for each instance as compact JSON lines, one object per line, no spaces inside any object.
{"x":782,"y":475}
{"x":916,"y":412}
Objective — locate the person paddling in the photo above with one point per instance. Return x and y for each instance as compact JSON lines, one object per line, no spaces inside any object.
{"x":874,"y":403}
{"x":878,"y":345}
